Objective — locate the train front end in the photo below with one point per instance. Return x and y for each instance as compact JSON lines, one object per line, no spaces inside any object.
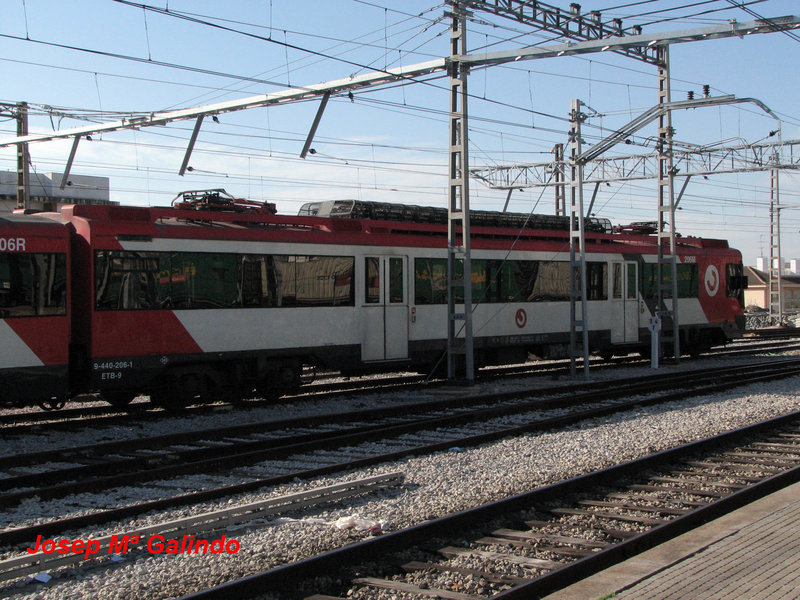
{"x":34,"y":311}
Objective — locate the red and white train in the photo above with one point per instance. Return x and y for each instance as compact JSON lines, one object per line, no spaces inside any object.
{"x":218,"y":297}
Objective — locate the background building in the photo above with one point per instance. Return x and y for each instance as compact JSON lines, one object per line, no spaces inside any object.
{"x":45,"y":193}
{"x":757,"y":292}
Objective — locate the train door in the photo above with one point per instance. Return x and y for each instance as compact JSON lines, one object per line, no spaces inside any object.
{"x":384,"y":334}
{"x":624,"y":303}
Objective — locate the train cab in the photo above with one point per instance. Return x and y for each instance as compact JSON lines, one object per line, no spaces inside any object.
{"x":34,"y":310}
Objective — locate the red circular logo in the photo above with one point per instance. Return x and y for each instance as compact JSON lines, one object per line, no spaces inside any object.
{"x":712,"y":280}
{"x":521,"y":318}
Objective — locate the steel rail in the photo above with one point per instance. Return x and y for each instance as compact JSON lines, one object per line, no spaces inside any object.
{"x":572,"y":572}
{"x":173,"y":462}
{"x":734,"y":379}
{"x":143,"y":411}
{"x":288,"y":576}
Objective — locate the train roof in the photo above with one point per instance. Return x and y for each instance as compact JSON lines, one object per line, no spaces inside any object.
{"x":24,"y":218}
{"x":384,"y":211}
{"x":336,"y":214}
{"x":220,"y":213}
{"x":49,"y":225}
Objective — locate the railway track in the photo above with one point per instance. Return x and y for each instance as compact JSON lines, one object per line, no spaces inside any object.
{"x":14,"y":422}
{"x":532,"y":544}
{"x":341,"y":448}
{"x":18,"y":423}
{"x":771,"y":333}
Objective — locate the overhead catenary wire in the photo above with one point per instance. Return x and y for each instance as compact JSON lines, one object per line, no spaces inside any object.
{"x":685,"y":17}
{"x":296,"y":62}
{"x":744,"y":6}
{"x":260,"y":37}
{"x":145,"y":60}
{"x":267,"y":39}
{"x":502,"y":124}
{"x":670,"y":9}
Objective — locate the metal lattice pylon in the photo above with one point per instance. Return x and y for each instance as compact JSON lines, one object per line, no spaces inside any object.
{"x":775,"y":300}
{"x":459,"y":338}
{"x":578,"y":316}
{"x":667,"y":295}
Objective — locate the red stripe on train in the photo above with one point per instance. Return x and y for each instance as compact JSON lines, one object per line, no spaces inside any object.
{"x":47,"y":337}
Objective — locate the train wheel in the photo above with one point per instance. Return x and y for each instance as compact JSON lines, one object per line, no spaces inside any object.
{"x":289,"y":378}
{"x":119,"y":399}
{"x":52,"y":404}
{"x":180,"y":389}
{"x":230,"y":394}
{"x":268,"y":391}
{"x":165,"y":398}
{"x":271,"y":395}
{"x":606,"y":355}
{"x":280,"y":382}
{"x":309,"y":375}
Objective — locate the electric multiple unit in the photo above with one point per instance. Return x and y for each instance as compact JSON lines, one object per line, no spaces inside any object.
{"x":215,"y":298}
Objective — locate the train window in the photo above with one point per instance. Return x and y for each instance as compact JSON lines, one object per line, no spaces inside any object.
{"x":480,"y":281}
{"x":200,"y":280}
{"x":516,"y":281}
{"x":372,"y":280}
{"x":194,"y":280}
{"x":649,"y":280}
{"x":259,"y":281}
{"x":33,"y":284}
{"x":506,"y":281}
{"x":430,"y":281}
{"x":131,"y":280}
{"x":324,"y":280}
{"x":735,"y":281}
{"x":687,"y":280}
{"x":286,"y":276}
{"x":596,"y":281}
{"x":616,"y":283}
{"x":550,"y":282}
{"x":275,"y":281}
{"x":490,"y":276}
{"x":395,"y":280}
{"x":632,"y":289}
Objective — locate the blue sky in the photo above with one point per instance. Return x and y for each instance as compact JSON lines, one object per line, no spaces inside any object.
{"x":388,"y":144}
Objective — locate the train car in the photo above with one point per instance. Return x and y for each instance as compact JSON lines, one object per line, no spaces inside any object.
{"x":34,"y":311}
{"x":210,"y":299}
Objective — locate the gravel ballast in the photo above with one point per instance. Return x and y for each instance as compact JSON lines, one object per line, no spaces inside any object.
{"x":434,"y":486}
